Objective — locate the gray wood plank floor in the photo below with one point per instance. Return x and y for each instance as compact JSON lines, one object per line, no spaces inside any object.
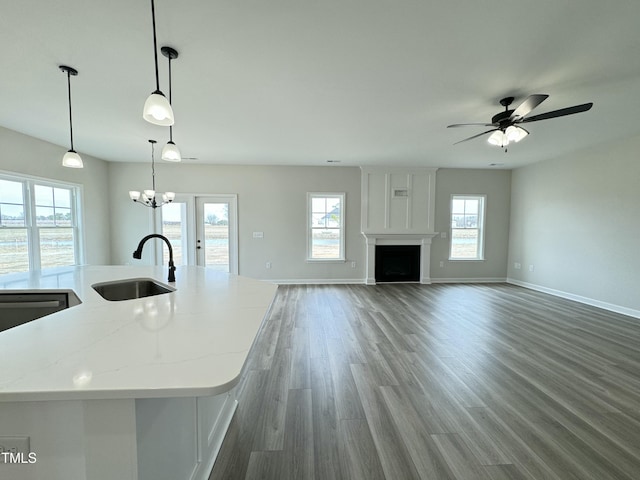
{"x":404,"y":381}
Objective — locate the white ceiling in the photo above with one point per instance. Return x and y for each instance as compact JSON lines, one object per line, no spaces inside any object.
{"x":295,"y":82}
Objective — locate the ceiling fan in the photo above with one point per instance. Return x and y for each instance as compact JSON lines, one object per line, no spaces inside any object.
{"x":506,"y":125}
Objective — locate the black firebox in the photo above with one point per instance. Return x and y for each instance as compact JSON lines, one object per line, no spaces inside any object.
{"x":397,"y":263}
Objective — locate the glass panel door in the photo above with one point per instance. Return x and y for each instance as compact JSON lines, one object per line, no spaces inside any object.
{"x":216,"y":233}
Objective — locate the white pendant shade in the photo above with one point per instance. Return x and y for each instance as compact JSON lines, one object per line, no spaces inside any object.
{"x":157,"y":110}
{"x":72,"y":160}
{"x":134,"y":195}
{"x":171,"y":152}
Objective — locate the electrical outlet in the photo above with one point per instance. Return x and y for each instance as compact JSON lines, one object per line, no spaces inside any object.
{"x":531,"y":268}
{"x":268,"y":265}
{"x":353,"y":264}
{"x":441,"y":264}
{"x":517,"y":266}
{"x":15,"y":446}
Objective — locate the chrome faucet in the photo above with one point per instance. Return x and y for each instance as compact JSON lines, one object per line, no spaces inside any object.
{"x":138,"y":253}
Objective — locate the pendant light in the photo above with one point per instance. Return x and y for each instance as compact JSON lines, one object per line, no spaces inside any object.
{"x":170,"y":152}
{"x":157,"y":109}
{"x":71,"y":159}
{"x":148,"y":197}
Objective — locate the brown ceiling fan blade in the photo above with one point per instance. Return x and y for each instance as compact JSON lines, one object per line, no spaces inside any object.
{"x":456,"y":125}
{"x":531,"y":102}
{"x":559,"y":113}
{"x":476,"y":136}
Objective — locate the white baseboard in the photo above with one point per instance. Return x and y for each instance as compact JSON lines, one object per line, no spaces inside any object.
{"x":470,"y":280}
{"x":577,"y":298}
{"x":361,"y":281}
{"x":316,"y":281}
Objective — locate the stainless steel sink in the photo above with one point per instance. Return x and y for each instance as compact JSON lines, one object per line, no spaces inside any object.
{"x":131,"y":288}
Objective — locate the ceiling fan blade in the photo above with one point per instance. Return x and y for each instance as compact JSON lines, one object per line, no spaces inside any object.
{"x":455,"y":125}
{"x":559,"y":113}
{"x":478,"y":135}
{"x":531,"y":102}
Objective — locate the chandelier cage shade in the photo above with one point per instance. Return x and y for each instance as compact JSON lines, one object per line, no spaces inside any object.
{"x":148,"y":196}
{"x":70,"y":159}
{"x":157,"y":109}
{"x":170,"y":152}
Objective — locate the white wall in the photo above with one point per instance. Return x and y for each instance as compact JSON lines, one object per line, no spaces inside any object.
{"x":26,"y":155}
{"x":576,"y":220}
{"x":272,"y":200}
{"x":496,"y":185}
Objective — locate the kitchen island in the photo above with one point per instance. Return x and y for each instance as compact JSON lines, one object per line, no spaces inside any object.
{"x":133,"y":389}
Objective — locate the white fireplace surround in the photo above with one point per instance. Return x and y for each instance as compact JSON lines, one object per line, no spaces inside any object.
{"x":422,"y":239}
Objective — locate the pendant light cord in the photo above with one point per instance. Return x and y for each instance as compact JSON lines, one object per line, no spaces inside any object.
{"x":155,"y":44}
{"x":170,"y":126}
{"x":153,"y":169}
{"x":70,"y":120}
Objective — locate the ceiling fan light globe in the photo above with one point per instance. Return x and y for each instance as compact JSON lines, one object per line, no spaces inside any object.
{"x":515,"y":134}
{"x":157,"y":110}
{"x":171,"y":152}
{"x":71,"y":159}
{"x":498,"y":138}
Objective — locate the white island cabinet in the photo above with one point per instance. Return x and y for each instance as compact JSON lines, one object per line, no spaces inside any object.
{"x":132,"y":389}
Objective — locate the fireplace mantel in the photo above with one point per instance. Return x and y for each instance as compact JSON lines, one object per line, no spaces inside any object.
{"x":422,"y":239}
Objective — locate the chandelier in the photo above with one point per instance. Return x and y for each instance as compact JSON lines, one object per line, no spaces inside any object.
{"x":148,"y":197}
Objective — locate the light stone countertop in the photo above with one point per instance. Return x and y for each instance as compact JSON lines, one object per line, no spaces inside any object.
{"x":191,"y":342}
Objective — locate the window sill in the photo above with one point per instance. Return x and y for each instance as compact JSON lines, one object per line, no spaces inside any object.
{"x":467,"y":260}
{"x":326,"y":260}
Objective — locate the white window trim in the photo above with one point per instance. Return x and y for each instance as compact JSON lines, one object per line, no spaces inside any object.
{"x":342,"y":258}
{"x":33,"y":230}
{"x":481,"y":228}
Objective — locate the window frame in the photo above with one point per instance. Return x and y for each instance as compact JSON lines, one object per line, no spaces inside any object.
{"x":30,"y":218}
{"x":481,"y":222}
{"x":310,"y":228}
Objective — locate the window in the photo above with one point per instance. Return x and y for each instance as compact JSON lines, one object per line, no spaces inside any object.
{"x":38,"y":224}
{"x":467,"y":227}
{"x":326,"y":226}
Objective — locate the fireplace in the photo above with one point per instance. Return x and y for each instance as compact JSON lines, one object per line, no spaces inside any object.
{"x":417,"y":241}
{"x":397,"y":263}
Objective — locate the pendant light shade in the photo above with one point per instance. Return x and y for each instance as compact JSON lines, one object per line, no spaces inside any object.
{"x":170,"y":152}
{"x":157,"y":109}
{"x":71,"y":159}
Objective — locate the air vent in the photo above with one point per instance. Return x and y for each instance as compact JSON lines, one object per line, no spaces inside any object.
{"x":400,"y":193}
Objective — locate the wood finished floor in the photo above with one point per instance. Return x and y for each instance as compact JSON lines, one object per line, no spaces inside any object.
{"x":436,"y":382}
